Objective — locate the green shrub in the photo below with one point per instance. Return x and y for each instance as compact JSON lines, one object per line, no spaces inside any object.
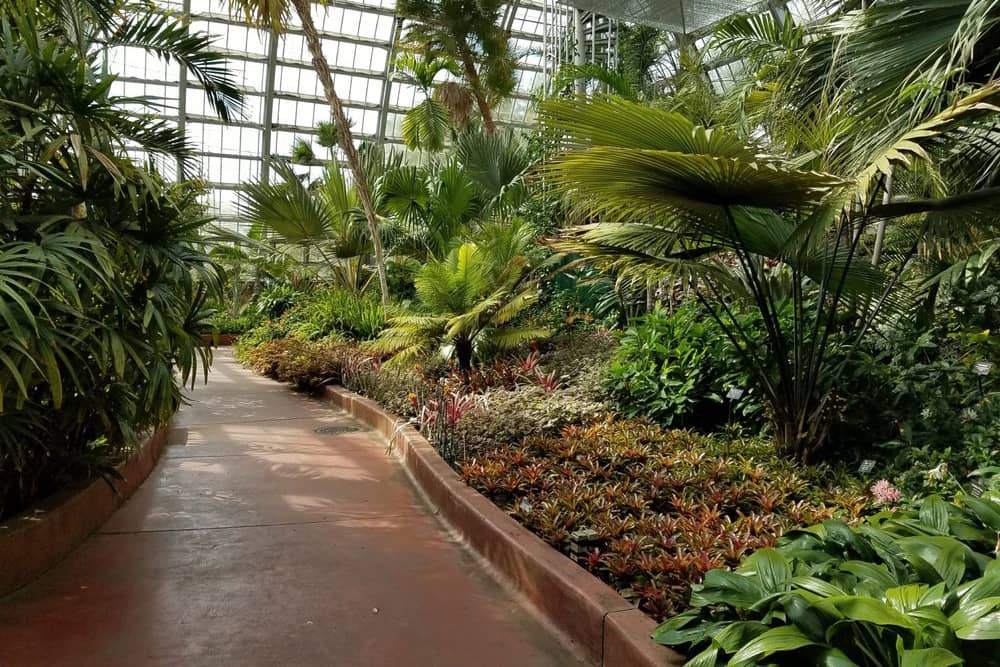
{"x":336,"y":311}
{"x":917,"y":396}
{"x":676,"y":369}
{"x":650,"y":510}
{"x":264,"y":332}
{"x":909,"y":587}
{"x":275,"y":301}
{"x":223,"y":323}
{"x":306,"y":364}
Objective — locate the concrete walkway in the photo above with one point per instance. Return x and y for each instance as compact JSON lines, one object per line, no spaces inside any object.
{"x":275,"y":531}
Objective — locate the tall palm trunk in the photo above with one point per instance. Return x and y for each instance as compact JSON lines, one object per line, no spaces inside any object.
{"x":472,"y":75}
{"x":346,"y":141}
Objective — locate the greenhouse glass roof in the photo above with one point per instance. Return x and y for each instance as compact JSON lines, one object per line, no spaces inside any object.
{"x":283,"y":95}
{"x":681,"y":16}
{"x":284,"y":100}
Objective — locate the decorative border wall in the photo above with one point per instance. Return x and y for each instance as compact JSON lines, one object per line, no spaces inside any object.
{"x":37,"y":539}
{"x":607,"y":627}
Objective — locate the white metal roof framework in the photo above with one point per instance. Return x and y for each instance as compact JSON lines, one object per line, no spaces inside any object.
{"x":284,"y":99}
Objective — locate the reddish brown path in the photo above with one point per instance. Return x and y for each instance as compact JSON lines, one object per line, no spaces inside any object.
{"x":260,"y":541}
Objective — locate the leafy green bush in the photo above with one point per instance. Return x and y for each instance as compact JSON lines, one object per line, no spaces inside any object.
{"x":340,"y":312}
{"x":650,"y":510}
{"x":224,"y":323}
{"x":275,"y":301}
{"x":913,"y":587}
{"x":676,"y":369}
{"x":917,"y":394}
{"x":264,"y":332}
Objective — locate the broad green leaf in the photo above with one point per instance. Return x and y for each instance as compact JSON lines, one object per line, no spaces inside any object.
{"x":772,"y":568}
{"x":833,"y":657}
{"x":723,"y":586}
{"x":928,"y":657}
{"x":934,"y":513}
{"x":877,"y":573}
{"x":707,"y":658}
{"x":982,"y":629}
{"x":736,"y":635}
{"x":986,"y":511}
{"x":905,"y":598}
{"x":776,"y":640}
{"x":869,"y":610}
{"x":986,"y":586}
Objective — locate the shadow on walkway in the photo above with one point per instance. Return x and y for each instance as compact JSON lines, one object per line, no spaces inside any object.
{"x":260,"y":541}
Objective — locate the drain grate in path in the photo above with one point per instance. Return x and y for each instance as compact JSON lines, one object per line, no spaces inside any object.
{"x":337,"y":429}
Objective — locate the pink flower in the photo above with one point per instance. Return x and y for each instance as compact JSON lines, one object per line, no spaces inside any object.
{"x":885,"y":493}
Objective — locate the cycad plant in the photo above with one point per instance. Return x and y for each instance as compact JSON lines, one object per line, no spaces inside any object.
{"x":670,"y":198}
{"x":468,"y":301}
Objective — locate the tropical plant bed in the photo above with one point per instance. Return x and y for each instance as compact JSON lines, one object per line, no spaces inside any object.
{"x":649,"y":510}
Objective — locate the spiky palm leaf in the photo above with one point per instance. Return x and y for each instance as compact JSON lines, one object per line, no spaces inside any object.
{"x":469,"y":298}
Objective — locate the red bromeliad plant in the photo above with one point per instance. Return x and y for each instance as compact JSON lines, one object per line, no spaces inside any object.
{"x":650,"y":511}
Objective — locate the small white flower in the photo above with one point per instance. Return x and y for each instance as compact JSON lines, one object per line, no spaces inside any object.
{"x":968,"y":414}
{"x":939,"y":472}
{"x":525,"y":506}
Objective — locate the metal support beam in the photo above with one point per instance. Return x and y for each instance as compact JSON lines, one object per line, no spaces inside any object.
{"x":578,"y":59}
{"x":390,"y":69}
{"x":268,"y":109}
{"x":182,"y":84}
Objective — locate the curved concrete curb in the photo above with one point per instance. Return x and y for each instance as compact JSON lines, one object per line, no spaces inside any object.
{"x":609,"y":629}
{"x":37,"y":539}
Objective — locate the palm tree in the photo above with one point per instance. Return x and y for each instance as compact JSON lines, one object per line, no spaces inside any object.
{"x":434,"y":206}
{"x":292,"y":219}
{"x":425,"y":126}
{"x":275,"y":14}
{"x":468,"y":32}
{"x":669,"y":198}
{"x":469,"y":300}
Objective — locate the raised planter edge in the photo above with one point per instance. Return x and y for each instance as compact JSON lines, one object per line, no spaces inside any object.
{"x":38,"y":538}
{"x":609,"y":629}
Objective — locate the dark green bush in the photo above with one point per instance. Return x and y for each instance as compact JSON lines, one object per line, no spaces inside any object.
{"x":913,"y":587}
{"x":273,"y":302}
{"x":677,"y":368}
{"x":306,"y":364}
{"x":336,"y":311}
{"x":224,"y":323}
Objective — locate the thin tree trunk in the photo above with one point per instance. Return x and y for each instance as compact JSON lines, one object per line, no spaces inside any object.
{"x":477,"y":91}
{"x":463,"y":350}
{"x":346,"y":141}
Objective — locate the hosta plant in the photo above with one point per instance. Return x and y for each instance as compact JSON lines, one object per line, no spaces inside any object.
{"x":910,"y":587}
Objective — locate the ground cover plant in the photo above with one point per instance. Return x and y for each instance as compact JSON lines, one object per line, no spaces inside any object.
{"x":650,"y":510}
{"x":914,"y":586}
